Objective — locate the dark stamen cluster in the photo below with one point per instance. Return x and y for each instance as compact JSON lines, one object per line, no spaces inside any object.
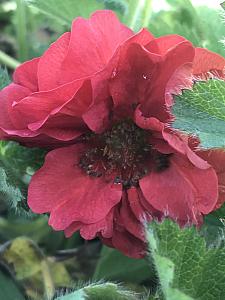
{"x":121,"y":154}
{"x":162,"y":161}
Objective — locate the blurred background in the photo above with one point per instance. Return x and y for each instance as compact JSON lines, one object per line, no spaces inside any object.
{"x":34,"y":260}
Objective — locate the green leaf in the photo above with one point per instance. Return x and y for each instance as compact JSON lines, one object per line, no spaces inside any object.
{"x":223,"y":5}
{"x":201,"y":111}
{"x":8,"y":193}
{"x":213,"y":228}
{"x":102,"y":290}
{"x":113,"y":265}
{"x":4,"y":78}
{"x":65,"y":11}
{"x":8,"y":289}
{"x":17,"y":165}
{"x":185,"y":267}
{"x":77,"y":295}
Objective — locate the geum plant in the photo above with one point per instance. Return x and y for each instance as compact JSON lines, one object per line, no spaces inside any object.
{"x":101,"y":101}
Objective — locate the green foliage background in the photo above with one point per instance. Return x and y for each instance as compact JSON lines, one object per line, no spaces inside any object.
{"x":37,"y":263}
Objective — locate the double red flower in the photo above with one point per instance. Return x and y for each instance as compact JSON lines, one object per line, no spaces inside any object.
{"x":101,"y":96}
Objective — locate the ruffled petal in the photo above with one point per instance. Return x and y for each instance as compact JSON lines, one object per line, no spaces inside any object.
{"x":68,"y":193}
{"x":97,"y":118}
{"x":54,"y":111}
{"x":181,"y":79}
{"x":150,"y":123}
{"x":155,"y":99}
{"x":135,"y":203}
{"x":132,"y":75}
{"x":163,"y":44}
{"x":140,"y":207}
{"x":182,"y":191}
{"x":181,"y":146}
{"x":26,"y":75}
{"x":92,"y":44}
{"x":128,"y":244}
{"x":90,"y":231}
{"x":49,"y":68}
{"x":208,"y":64}
{"x":129,"y":221}
{"x":216,"y":158}
{"x":8,"y":95}
{"x":103,"y":99}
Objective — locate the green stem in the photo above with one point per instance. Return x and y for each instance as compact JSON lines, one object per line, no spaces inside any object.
{"x":147,"y":13}
{"x":21,"y":30}
{"x":8,"y":60}
{"x":135,"y":10}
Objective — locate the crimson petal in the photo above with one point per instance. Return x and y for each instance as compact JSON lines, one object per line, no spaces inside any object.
{"x":216,"y":158}
{"x":183,"y":191}
{"x":68,"y":193}
{"x":208,"y":64}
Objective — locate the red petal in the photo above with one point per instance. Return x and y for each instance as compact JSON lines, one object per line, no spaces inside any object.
{"x":40,"y":111}
{"x":163,"y":44}
{"x":49,"y":68}
{"x":142,"y":209}
{"x":207,"y":64}
{"x":182,"y":191}
{"x":181,"y":79}
{"x":180,"y":145}
{"x":63,"y":189}
{"x":132,"y":76}
{"x":97,"y":117}
{"x":175,"y":57}
{"x":128,"y":244}
{"x":147,"y":123}
{"x":216,"y":158}
{"x":102,"y":100}
{"x":130,"y":222}
{"x":92,"y":44}
{"x":8,"y":118}
{"x":65,"y":134}
{"x":90,"y":231}
{"x":26,"y":75}
{"x":135,"y":203}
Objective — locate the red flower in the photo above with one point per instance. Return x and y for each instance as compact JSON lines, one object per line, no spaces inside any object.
{"x":105,"y":93}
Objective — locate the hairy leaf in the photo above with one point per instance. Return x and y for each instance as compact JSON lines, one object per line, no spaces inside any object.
{"x":17,"y":165}
{"x":201,"y":111}
{"x":8,"y":193}
{"x":102,"y":290}
{"x":4,"y":78}
{"x":184,"y":265}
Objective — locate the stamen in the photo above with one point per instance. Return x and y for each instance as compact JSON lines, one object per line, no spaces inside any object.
{"x":122,"y":154}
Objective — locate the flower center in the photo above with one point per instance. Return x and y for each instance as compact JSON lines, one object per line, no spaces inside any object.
{"x":122,"y":154}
